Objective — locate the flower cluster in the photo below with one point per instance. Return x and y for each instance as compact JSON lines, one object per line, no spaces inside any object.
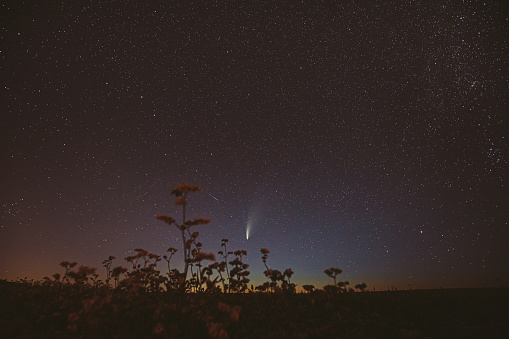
{"x":275,"y":276}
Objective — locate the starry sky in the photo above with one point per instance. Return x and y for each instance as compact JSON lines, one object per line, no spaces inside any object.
{"x":369,"y":136}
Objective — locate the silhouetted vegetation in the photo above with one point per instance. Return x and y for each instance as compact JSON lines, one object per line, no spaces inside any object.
{"x":215,"y":300}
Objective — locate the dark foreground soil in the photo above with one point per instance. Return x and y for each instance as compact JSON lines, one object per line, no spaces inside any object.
{"x":38,"y":311}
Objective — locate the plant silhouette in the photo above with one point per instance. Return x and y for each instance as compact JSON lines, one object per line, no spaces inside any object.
{"x":188,"y":239}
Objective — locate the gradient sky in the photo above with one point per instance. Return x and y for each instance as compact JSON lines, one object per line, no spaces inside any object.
{"x":369,"y":136}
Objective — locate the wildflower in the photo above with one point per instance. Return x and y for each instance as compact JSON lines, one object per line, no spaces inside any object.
{"x":111,"y":257}
{"x":141,"y":253}
{"x":153,"y":256}
{"x":236,"y":262}
{"x":308,"y":288}
{"x":183,"y":188}
{"x":171,"y":249}
{"x":224,"y":240}
{"x":198,"y":221}
{"x":85,"y":270}
{"x":207,"y":270}
{"x":67,"y":264}
{"x":234,"y":271}
{"x":265,"y":251}
{"x":361,"y":286}
{"x":117,"y":271}
{"x":204,"y":256}
{"x":195,"y":235}
{"x":288,"y":272}
{"x":180,"y":201}
{"x":167,"y":219}
{"x":214,"y":265}
{"x":332,"y":272}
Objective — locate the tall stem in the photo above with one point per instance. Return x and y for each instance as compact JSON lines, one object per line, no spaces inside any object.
{"x":186,"y":264}
{"x":186,"y":254}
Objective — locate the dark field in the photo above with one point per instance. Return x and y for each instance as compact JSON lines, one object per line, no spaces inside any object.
{"x":39,"y":311}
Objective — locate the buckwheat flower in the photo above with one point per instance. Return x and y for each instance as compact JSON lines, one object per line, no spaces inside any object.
{"x":235,"y":262}
{"x":183,"y":188}
{"x":234,"y":271}
{"x":195,"y":235}
{"x":276,"y":273}
{"x":117,"y":271}
{"x":85,"y":270}
{"x":153,"y":256}
{"x":171,"y":249}
{"x":167,"y":219}
{"x":204,"y":256}
{"x":180,"y":201}
{"x":141,"y":253}
{"x":336,"y":270}
{"x":180,"y":189}
{"x":198,"y":221}
{"x":265,"y":251}
{"x":224,"y":240}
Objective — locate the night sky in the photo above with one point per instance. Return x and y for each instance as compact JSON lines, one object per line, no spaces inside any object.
{"x":369,"y":136}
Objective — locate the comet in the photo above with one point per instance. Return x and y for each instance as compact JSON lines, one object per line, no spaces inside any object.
{"x":248,"y":230}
